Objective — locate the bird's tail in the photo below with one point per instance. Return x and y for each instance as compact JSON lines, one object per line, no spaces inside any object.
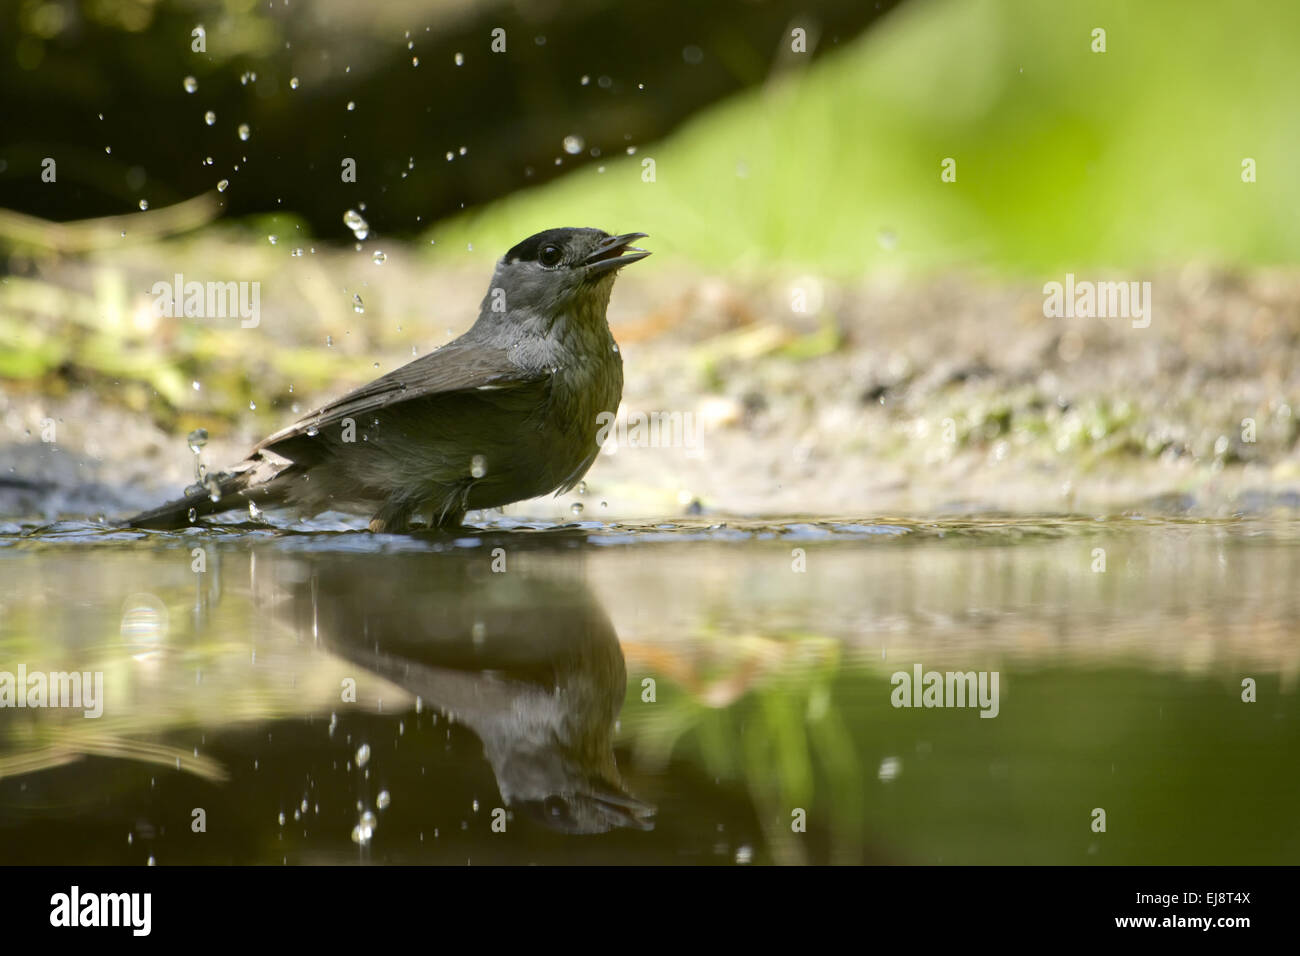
{"x":226,"y":491}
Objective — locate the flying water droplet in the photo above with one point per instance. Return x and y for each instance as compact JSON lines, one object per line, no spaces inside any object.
{"x":209,"y":117}
{"x":576,"y":508}
{"x":191,"y":84}
{"x":460,"y":59}
{"x":353,"y":220}
{"x":573,"y":145}
{"x":383,"y":800}
{"x":379,"y":257}
{"x":144,"y":204}
{"x":293,"y":83}
{"x":254,"y":512}
{"x":197,"y":439}
{"x":244,"y":131}
{"x":221,"y":186}
{"x":362,"y":755}
{"x":478,"y":466}
{"x":357,"y":304}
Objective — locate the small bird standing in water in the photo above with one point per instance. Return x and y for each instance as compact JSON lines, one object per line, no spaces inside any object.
{"x":506,"y":412}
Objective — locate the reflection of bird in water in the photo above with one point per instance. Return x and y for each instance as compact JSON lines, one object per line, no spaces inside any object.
{"x":530,"y":663}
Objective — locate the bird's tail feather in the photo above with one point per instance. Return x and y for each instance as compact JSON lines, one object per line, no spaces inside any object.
{"x":233,"y":490}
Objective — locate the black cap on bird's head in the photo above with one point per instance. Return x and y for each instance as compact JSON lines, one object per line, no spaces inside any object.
{"x":593,"y":251}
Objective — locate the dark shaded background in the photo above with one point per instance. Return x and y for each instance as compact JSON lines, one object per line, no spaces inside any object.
{"x":67,"y":64}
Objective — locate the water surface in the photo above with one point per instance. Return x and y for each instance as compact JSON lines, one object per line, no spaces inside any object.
{"x":691,"y":691}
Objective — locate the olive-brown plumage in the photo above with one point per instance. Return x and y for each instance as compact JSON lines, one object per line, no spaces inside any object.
{"x":508,"y":411}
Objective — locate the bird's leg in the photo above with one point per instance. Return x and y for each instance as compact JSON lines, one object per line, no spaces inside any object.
{"x":394,"y":516}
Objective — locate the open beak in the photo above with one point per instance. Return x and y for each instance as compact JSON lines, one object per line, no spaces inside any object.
{"x":610,"y":254}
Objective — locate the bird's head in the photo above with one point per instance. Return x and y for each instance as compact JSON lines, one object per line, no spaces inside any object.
{"x":555,"y":271}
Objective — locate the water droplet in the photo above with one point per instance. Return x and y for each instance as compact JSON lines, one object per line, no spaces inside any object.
{"x":254,"y":512}
{"x":383,"y":800}
{"x":585,"y":79}
{"x":192,"y":515}
{"x":221,"y":186}
{"x":576,"y":508}
{"x":478,"y":466}
{"x":243,"y":131}
{"x":144,"y":204}
{"x":207,"y":161}
{"x":573,"y":144}
{"x":312,"y":431}
{"x":191,"y":84}
{"x":357,"y":304}
{"x":282,"y":818}
{"x":460,"y":59}
{"x":329,"y":341}
{"x":379,"y":257}
{"x":353,"y":220}
{"x":272,"y":239}
{"x":582,"y":487}
{"x":415,"y":61}
{"x":362,"y":755}
{"x":293,"y":83}
{"x":197,"y":439}
{"x":363,"y":831}
{"x":252,"y":406}
{"x":351,"y":105}
{"x":214,"y":490}
{"x":209,"y":117}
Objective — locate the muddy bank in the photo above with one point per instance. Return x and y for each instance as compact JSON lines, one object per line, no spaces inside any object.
{"x":783,"y":395}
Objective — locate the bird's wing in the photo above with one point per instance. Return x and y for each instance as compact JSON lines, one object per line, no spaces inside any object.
{"x":450,"y":369}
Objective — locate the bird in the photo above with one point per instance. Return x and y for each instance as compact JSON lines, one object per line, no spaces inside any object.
{"x":510,"y":410}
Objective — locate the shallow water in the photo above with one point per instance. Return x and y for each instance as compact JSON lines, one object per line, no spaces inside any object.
{"x":687,"y":691}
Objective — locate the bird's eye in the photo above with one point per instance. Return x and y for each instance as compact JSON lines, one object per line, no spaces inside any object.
{"x":550,"y":255}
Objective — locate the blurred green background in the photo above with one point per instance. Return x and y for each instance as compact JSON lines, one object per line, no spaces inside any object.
{"x":1065,"y":157}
